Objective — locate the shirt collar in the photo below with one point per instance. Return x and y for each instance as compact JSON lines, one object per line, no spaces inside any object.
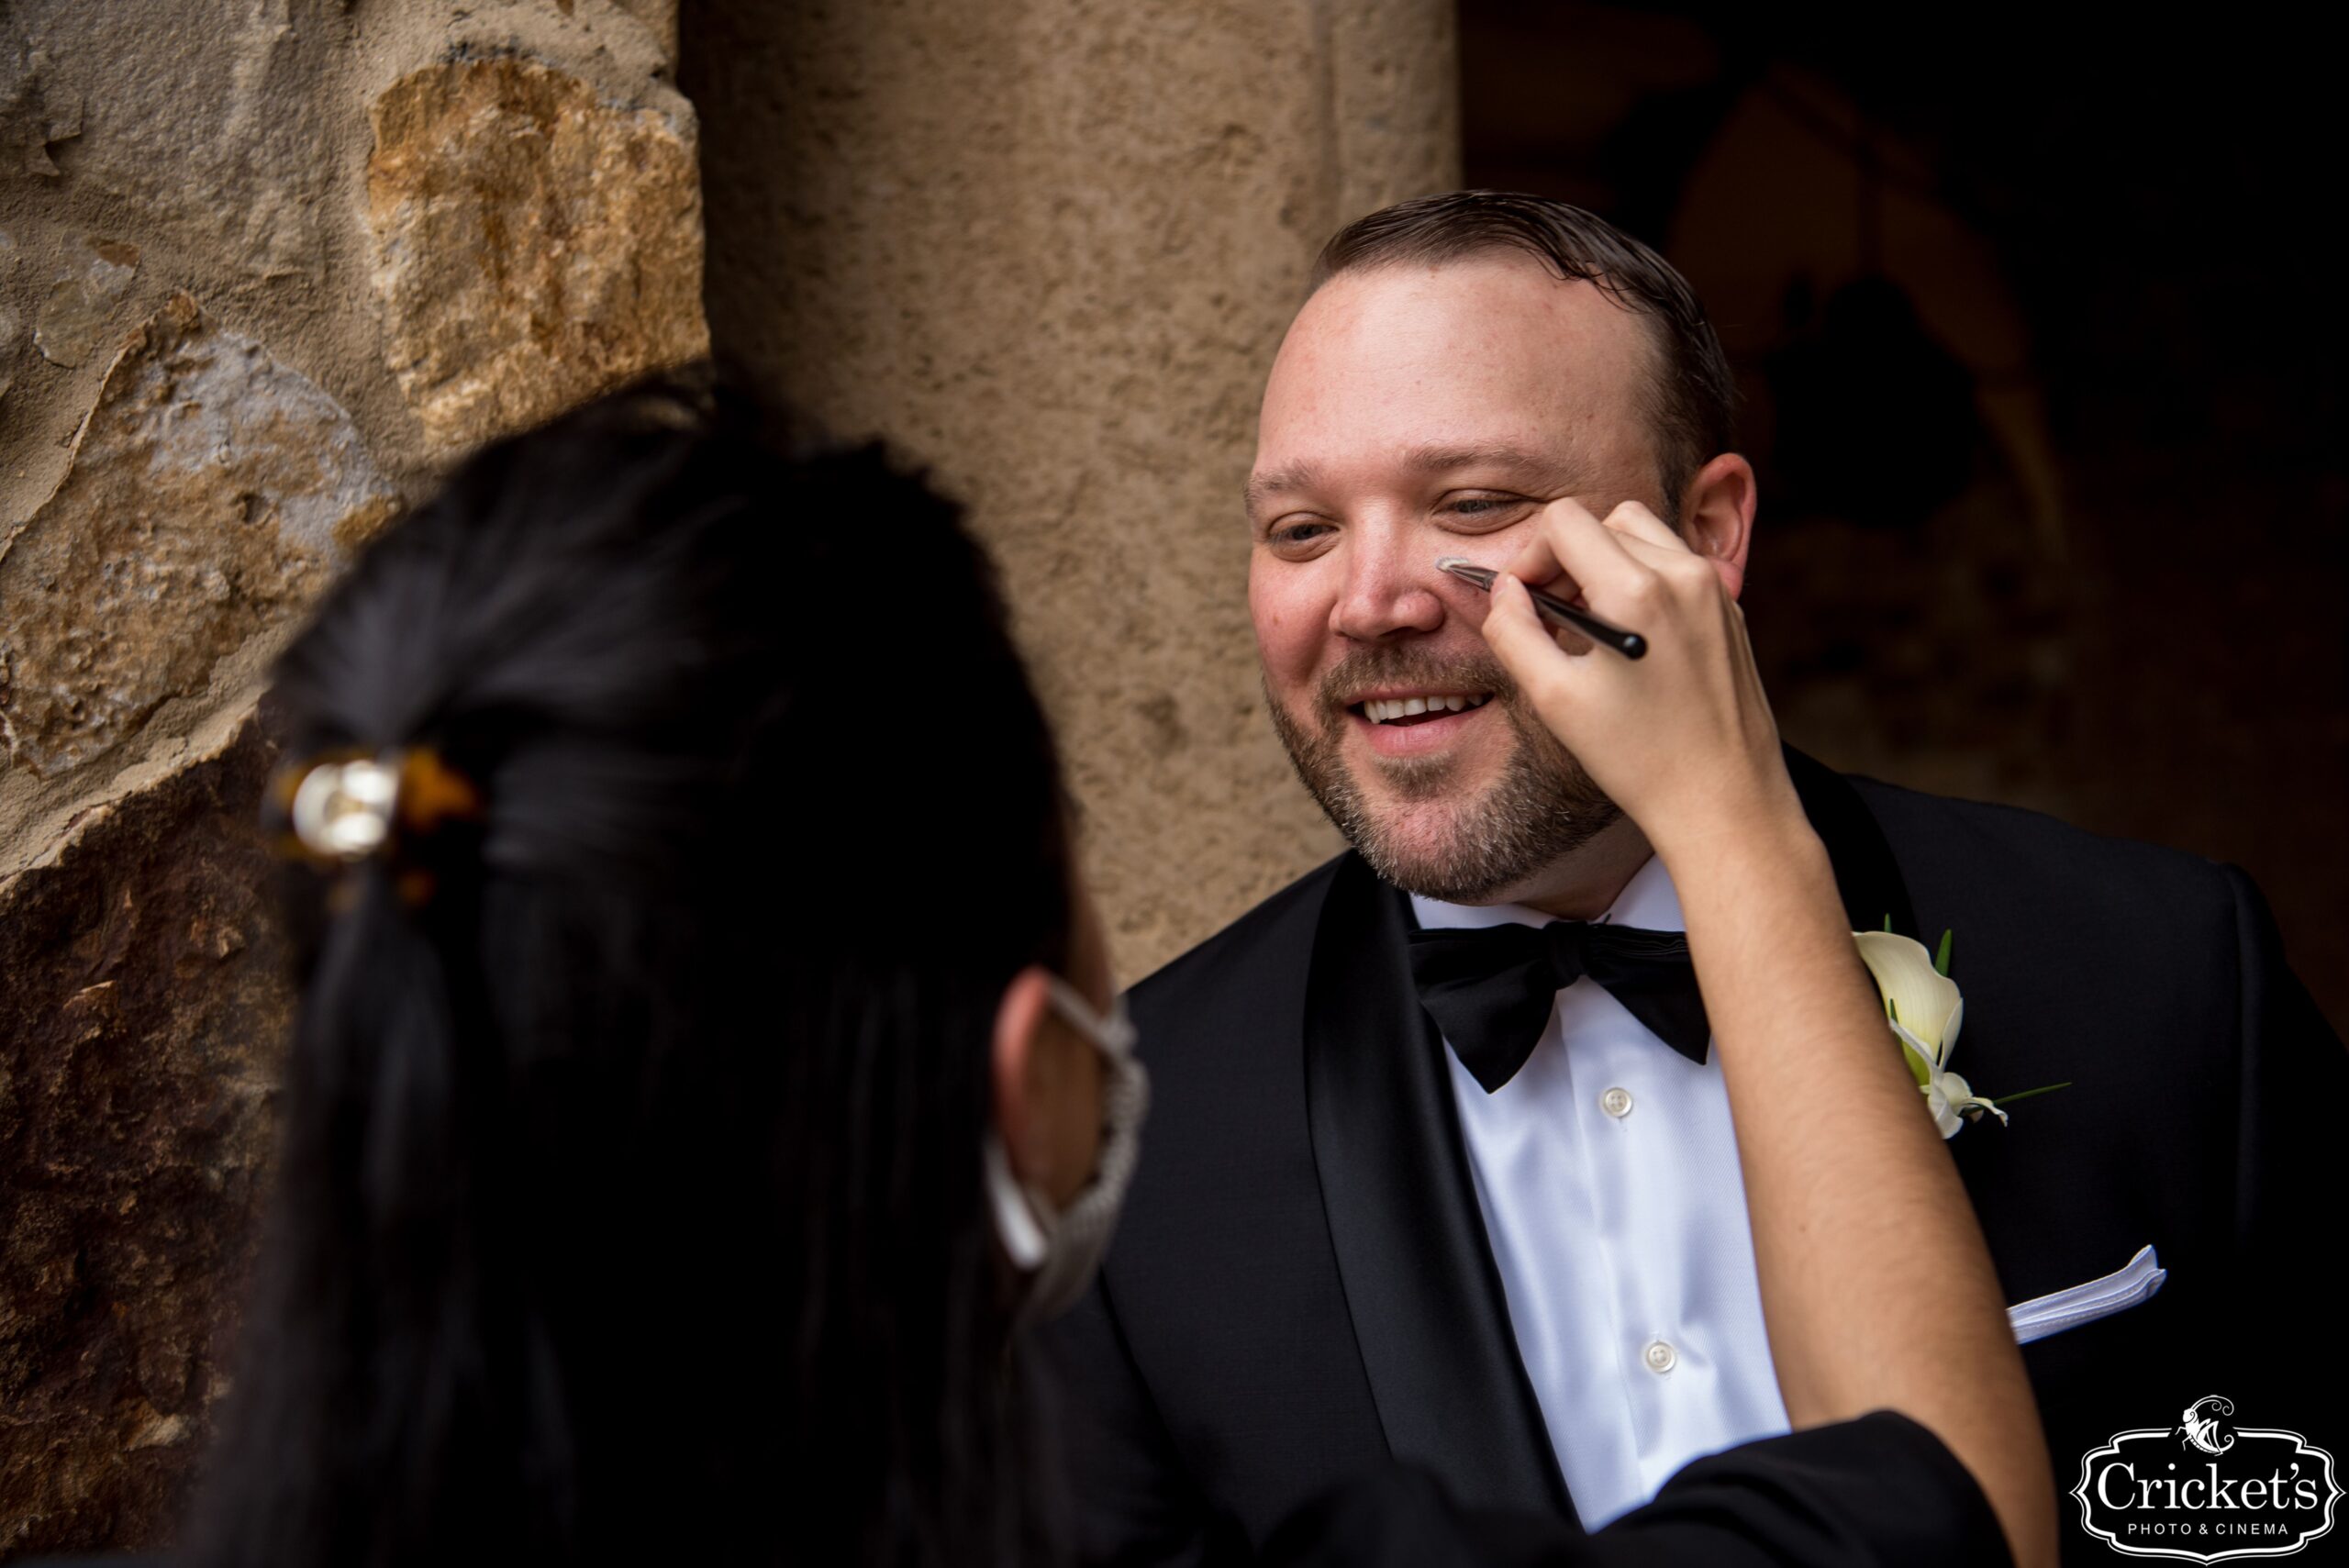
{"x":1648,"y":902}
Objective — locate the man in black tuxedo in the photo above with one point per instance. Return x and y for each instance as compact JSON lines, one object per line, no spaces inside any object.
{"x":1376,"y":1224}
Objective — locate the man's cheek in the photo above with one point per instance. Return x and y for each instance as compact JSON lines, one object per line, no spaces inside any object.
{"x":1290,"y":672}
{"x":1287,"y":656}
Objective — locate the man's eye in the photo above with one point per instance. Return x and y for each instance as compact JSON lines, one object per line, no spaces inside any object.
{"x":1484,"y":505}
{"x":1297,"y":533}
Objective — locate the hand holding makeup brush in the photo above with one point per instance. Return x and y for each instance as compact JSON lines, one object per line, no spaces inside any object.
{"x":1862,"y":1234}
{"x":1682,"y":739}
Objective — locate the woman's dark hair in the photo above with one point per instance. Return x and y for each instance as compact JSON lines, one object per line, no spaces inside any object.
{"x":1691,"y":400}
{"x":630,"y":1203}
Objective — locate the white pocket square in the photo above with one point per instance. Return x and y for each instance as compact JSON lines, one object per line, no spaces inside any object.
{"x":2043,"y":1315}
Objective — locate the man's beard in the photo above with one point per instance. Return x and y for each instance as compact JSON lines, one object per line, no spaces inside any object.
{"x":1541,"y":807}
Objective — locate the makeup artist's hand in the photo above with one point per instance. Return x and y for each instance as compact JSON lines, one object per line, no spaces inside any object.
{"x":1682,"y":739}
{"x":1863,"y":1241}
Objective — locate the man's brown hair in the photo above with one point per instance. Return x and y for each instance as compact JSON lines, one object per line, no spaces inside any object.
{"x":1690,"y":400}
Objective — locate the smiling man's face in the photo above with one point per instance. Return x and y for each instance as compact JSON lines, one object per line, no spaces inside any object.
{"x":1417,"y":411}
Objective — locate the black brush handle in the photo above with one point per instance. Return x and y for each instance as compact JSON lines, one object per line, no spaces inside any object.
{"x":1630,"y":644}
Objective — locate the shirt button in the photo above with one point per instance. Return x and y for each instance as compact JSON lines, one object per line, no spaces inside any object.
{"x":1616,"y":1102}
{"x":1660,"y":1357}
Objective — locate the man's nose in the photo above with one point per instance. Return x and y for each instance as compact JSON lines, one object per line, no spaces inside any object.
{"x":1388,"y":589}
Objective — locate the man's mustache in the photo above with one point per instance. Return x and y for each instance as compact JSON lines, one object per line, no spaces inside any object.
{"x":1369,"y":668}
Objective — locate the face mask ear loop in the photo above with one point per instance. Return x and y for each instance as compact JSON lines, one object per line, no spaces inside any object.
{"x":1016,"y":1226}
{"x":1113,"y":1035}
{"x":1060,"y":1252}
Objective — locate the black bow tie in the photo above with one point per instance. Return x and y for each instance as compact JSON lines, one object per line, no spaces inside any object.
{"x":1491,"y":990}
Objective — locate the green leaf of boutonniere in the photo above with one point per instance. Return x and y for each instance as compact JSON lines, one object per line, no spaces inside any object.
{"x":1919,"y":1068}
{"x":1941,"y":959}
{"x":2043,"y":1089}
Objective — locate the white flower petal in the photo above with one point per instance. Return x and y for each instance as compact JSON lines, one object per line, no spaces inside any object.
{"x":1926,"y":1001}
{"x":1932,"y":1056}
{"x":1958,"y":1096}
{"x":1946,"y":1121}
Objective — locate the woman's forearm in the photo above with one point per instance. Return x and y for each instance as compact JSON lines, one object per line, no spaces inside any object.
{"x":1877,"y":1287}
{"x":1876,"y":1283}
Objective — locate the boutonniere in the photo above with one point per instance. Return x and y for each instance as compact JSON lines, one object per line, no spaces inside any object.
{"x":1923,"y":1004}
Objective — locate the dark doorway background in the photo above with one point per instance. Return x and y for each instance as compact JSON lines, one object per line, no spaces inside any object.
{"x":2036,"y":327}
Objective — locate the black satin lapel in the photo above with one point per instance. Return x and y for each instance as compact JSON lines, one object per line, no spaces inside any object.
{"x":1426,"y":1300}
{"x":1866,"y":874}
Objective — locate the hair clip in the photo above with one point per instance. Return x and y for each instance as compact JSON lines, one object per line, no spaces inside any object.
{"x":345,"y":806}
{"x":342,"y":811}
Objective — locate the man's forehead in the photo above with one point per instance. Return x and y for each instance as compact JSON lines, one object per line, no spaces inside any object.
{"x":1497,"y":301}
{"x":1487,"y":357}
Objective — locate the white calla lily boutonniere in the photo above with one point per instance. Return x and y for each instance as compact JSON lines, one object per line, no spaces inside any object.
{"x":1923,"y":1004}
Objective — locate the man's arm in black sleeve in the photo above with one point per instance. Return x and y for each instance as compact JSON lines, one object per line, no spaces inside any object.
{"x":2291,"y":1151}
{"x":1873,"y":1493}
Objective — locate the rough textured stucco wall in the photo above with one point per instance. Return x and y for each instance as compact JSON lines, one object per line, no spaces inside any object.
{"x":264,"y":266}
{"x":1049,"y":247}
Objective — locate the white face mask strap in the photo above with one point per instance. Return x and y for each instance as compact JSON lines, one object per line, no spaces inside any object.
{"x":1114,"y":1034}
{"x":1023,"y":1237}
{"x":1061,"y":1251}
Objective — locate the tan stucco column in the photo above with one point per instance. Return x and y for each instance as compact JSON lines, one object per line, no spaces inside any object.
{"x":1049,"y":248}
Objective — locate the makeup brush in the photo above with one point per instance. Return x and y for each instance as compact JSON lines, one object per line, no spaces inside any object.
{"x":1630,"y":644}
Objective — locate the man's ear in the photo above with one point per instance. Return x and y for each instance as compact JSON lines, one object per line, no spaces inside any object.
{"x":1018,"y":1019}
{"x":1717,"y":517}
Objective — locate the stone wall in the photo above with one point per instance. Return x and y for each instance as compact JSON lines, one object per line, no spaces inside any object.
{"x":266,"y":266}
{"x":1049,"y":247}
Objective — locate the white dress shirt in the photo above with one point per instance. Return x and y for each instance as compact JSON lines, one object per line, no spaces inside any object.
{"x":1607,"y":1172}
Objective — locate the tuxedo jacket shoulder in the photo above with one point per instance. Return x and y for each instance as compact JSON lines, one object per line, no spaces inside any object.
{"x":2154,"y":982}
